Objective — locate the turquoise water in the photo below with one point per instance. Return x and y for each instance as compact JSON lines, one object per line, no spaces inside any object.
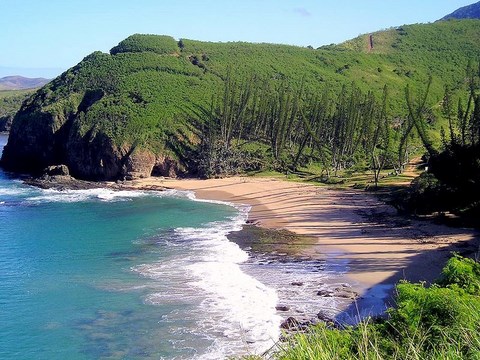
{"x":125,"y":275}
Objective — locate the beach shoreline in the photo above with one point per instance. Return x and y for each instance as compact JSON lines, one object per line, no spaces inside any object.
{"x":360,"y":238}
{"x":355,"y":231}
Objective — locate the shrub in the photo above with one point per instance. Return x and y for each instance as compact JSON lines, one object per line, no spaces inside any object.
{"x":427,"y":194}
{"x":143,"y":43}
{"x":442,"y":313}
{"x":452,"y":183}
{"x":459,"y":168}
{"x":436,"y":322}
{"x":462,"y":272}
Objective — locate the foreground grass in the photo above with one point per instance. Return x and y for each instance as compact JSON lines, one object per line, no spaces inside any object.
{"x":366,"y":342}
{"x":437,"y":322}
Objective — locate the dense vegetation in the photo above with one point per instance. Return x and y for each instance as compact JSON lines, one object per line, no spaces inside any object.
{"x":163,"y":45}
{"x":10,"y":102}
{"x":437,"y":322}
{"x":260,"y":123}
{"x":452,"y":182}
{"x":333,"y":109}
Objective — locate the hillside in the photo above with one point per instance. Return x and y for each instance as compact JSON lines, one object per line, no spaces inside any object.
{"x":21,"y":83}
{"x":128,"y":113}
{"x":466,"y":12}
{"x":13,"y":91}
{"x":10,"y":102}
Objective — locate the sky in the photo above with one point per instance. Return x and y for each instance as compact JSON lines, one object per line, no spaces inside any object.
{"x":42,"y":38}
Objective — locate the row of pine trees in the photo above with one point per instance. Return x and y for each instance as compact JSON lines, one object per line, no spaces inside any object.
{"x":263,"y":123}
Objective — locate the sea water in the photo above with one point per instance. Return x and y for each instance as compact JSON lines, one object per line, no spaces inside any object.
{"x":103,"y":274}
{"x":98,"y":273}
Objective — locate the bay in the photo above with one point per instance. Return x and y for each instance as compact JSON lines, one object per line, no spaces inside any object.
{"x":94,"y":274}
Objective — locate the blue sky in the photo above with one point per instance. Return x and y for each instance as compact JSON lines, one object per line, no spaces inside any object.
{"x":45,"y":37}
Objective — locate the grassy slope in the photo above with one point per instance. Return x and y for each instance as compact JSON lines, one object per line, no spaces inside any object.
{"x":142,"y":92}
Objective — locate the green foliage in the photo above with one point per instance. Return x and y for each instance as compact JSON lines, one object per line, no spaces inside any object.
{"x":11,"y":95}
{"x":462,"y":272}
{"x":145,"y":43}
{"x":427,"y":195}
{"x":436,"y":322}
{"x":220,"y":129}
{"x":441,"y":312}
{"x":336,"y":344}
{"x":10,"y":103}
{"x":349,"y":130}
{"x":133,"y":98}
{"x":453,"y":181}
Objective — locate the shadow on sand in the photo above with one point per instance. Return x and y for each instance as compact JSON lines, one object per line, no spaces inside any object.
{"x":425,"y":266}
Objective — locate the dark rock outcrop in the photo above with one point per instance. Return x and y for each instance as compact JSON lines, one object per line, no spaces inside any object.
{"x":39,"y":139}
{"x":92,"y":156}
{"x":167,"y":166}
{"x":57,"y":170}
{"x":324,"y":317}
{"x":352,"y":295}
{"x":325,"y":293}
{"x":138,"y":164}
{"x":342,"y":292}
{"x":32,"y":144}
{"x":282,"y":308}
{"x":290,"y":324}
{"x":6,"y":123}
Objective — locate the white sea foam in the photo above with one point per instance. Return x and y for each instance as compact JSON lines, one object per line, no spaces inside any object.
{"x":234,"y":310}
{"x":244,"y":209}
{"x":297,"y":283}
{"x":97,"y":194}
{"x":101,"y":194}
{"x":13,"y":191}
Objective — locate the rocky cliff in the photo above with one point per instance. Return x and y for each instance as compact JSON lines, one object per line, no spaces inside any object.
{"x":41,"y":136}
{"x":6,"y":123}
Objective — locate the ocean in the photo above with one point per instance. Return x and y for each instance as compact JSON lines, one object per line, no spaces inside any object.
{"x":91,"y":274}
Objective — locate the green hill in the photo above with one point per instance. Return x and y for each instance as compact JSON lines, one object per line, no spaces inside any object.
{"x":129,"y":113}
{"x":10,"y":102}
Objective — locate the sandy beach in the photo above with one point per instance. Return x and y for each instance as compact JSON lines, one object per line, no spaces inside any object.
{"x":377,"y":246}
